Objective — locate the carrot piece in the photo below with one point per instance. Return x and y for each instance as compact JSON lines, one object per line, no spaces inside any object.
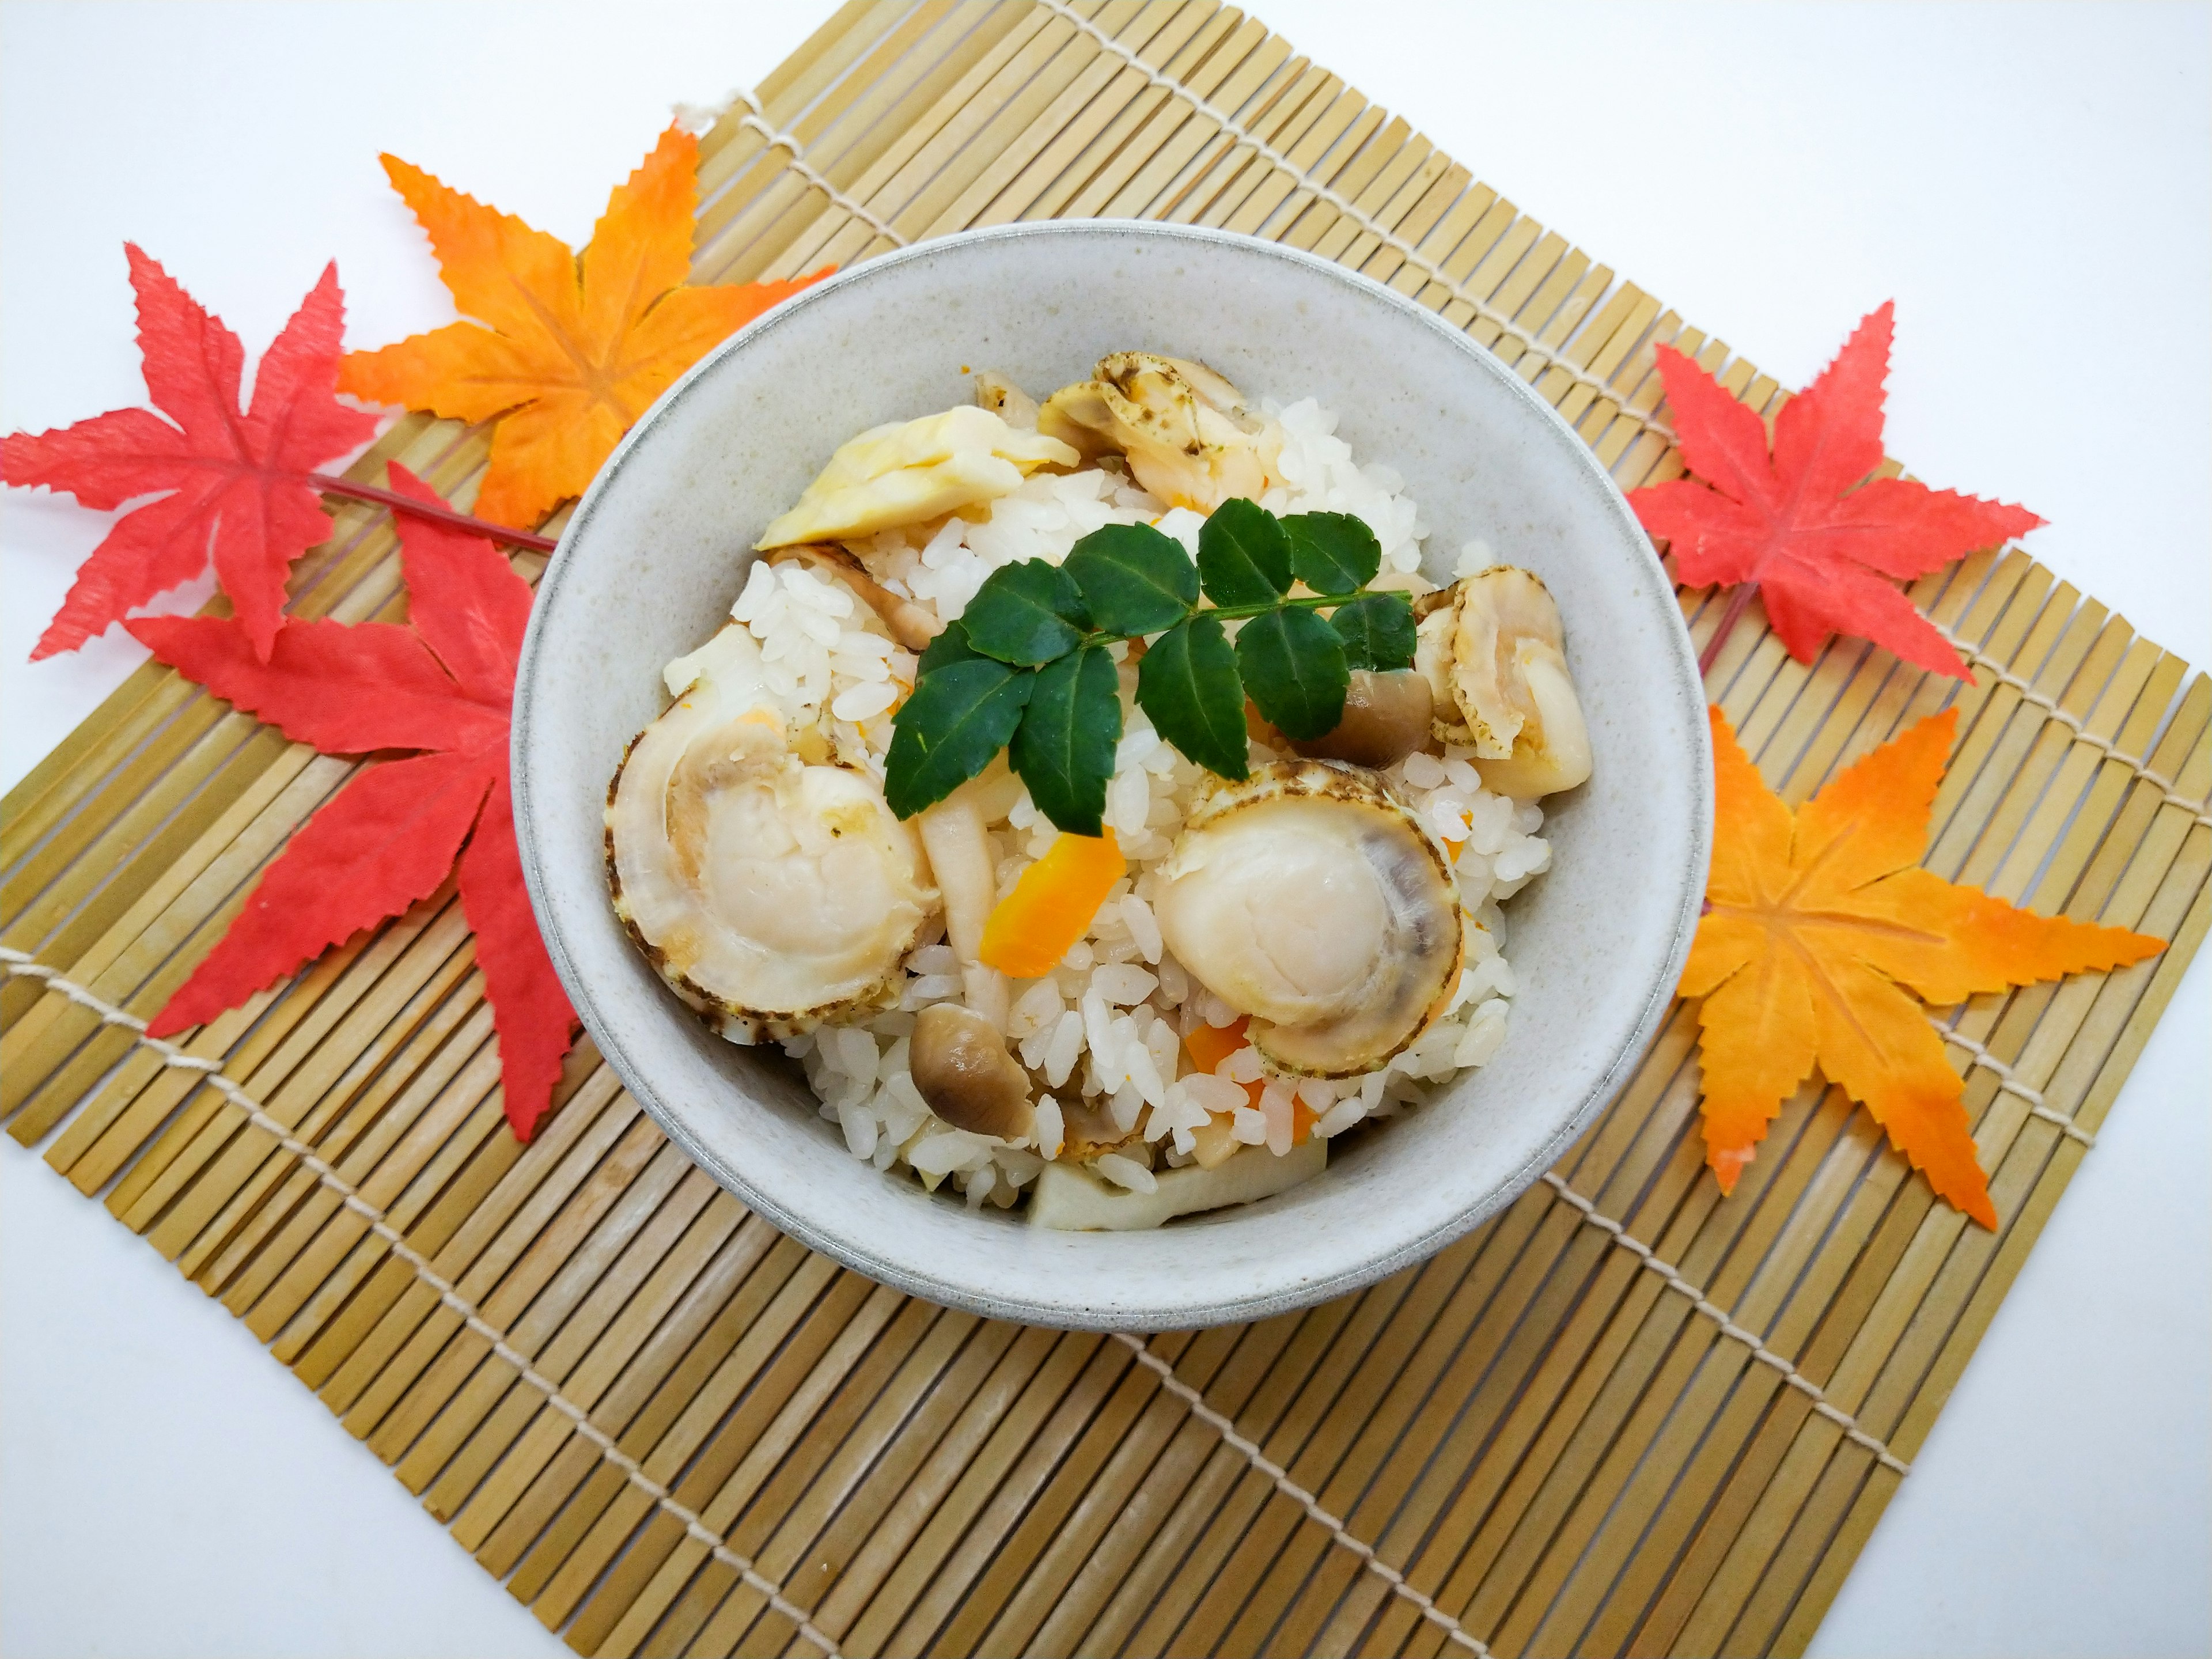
{"x":1210,"y":1045}
{"x":1051,"y":906}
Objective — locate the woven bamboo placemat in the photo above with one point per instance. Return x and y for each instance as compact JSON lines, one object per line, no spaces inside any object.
{"x":1623,"y":1415}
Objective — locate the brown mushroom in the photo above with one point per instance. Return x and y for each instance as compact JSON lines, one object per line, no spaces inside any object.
{"x":1386,"y":717}
{"x":961,"y":1065}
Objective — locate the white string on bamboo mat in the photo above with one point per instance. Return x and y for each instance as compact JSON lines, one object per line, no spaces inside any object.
{"x":1765,"y":1355}
{"x":2008,"y":1080}
{"x":2198,"y":809}
{"x":1259,"y":1460}
{"x":1351,"y":210}
{"x":22,"y":966}
{"x":755,"y":120}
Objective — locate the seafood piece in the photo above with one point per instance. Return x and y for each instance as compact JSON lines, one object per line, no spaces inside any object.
{"x":1432,"y":661}
{"x":1386,"y":717}
{"x":910,"y":471}
{"x":1344,"y":975}
{"x":995,"y":392}
{"x":1496,"y":656}
{"x":960,"y":1065}
{"x":770,"y":895}
{"x":1189,"y":437}
{"x":1072,"y":1199}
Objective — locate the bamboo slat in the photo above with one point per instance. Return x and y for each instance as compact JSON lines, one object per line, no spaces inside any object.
{"x":1623,"y":1415}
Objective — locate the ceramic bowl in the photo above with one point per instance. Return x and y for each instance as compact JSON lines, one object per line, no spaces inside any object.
{"x":657,"y":552}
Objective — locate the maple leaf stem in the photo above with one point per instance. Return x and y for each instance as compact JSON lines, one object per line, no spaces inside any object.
{"x":497,"y":532}
{"x":1738,"y":599}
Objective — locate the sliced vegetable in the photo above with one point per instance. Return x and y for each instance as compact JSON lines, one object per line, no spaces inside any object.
{"x":1209,"y":1045}
{"x":1051,"y":905}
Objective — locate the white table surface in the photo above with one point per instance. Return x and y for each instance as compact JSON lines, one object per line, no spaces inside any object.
{"x":2032,"y":186}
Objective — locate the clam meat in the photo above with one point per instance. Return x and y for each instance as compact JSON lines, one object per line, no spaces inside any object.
{"x":770,"y":894}
{"x":1186,"y":432}
{"x":1309,"y":898}
{"x":1495,"y":658}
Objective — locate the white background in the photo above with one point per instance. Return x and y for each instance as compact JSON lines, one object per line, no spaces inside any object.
{"x":2033,"y":186}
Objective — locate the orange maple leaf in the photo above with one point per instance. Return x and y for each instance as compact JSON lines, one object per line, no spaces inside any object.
{"x":576,"y":349}
{"x":1817,"y":926}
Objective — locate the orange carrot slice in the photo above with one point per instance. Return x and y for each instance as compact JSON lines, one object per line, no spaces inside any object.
{"x":1051,"y":906}
{"x":1210,"y":1045}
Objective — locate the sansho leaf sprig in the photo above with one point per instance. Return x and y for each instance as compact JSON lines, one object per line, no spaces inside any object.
{"x":1027,"y":669}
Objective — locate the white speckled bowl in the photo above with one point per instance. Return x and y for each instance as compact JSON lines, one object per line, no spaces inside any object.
{"x":657,"y":552}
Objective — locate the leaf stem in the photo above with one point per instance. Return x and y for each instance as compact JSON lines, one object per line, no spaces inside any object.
{"x":1240,"y":612}
{"x":1739,"y":598}
{"x":332,"y":485}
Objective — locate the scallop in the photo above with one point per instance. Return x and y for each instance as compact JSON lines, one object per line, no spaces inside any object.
{"x":771,"y":895}
{"x":1496,"y":657}
{"x":1309,"y":898}
{"x":911,"y":471}
{"x":1189,"y":438}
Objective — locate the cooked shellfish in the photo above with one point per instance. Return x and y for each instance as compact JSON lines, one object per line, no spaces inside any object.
{"x":910,"y":471}
{"x":770,"y":894}
{"x":1496,"y":658}
{"x":1188,"y":436}
{"x":1308,"y":897}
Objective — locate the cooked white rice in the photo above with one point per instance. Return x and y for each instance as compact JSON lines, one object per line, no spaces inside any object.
{"x":1106,"y":1027}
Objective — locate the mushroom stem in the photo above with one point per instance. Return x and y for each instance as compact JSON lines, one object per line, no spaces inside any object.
{"x":1386,"y":717}
{"x":986,"y":992}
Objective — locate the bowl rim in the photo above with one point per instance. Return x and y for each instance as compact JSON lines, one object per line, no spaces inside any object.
{"x":1260,"y":1303}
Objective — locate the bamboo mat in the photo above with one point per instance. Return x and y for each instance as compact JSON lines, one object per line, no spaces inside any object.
{"x":1624,"y":1415}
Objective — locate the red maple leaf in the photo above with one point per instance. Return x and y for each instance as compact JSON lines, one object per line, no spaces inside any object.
{"x":1805,"y":523}
{"x":233,"y":481}
{"x":442,"y":686}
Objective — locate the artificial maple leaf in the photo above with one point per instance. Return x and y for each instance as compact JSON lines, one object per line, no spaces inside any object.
{"x":442,"y":686}
{"x":576,"y":349}
{"x":1817,"y":927}
{"x":234,"y":483}
{"x":1805,"y":522}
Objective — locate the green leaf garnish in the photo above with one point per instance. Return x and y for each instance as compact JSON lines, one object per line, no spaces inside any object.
{"x":1028,"y":663}
{"x":1064,"y":747}
{"x":1294,"y":669}
{"x":1333,"y":553}
{"x":1243,"y":555}
{"x":1188,"y":684}
{"x":1027,"y":614}
{"x":950,"y":646}
{"x":1377,"y":631}
{"x":960,"y":715}
{"x":1135,"y":580}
